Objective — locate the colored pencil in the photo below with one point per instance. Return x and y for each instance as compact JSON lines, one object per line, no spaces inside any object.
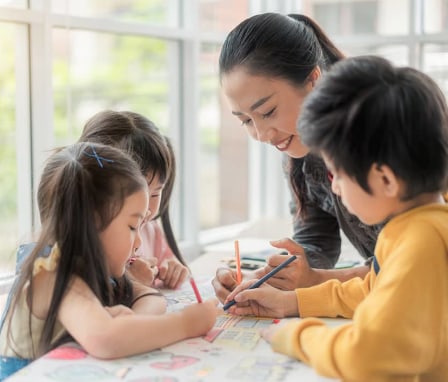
{"x":195,"y":289}
{"x":239,"y":277}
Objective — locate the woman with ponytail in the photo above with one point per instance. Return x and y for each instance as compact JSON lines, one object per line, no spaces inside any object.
{"x":268,"y":64}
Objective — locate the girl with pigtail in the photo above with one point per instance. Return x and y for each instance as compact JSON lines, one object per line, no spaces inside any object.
{"x":96,"y":201}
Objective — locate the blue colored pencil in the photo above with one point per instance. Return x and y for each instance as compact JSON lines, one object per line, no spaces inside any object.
{"x":266,"y":277}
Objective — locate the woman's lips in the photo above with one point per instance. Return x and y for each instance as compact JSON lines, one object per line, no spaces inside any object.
{"x":283,"y":145}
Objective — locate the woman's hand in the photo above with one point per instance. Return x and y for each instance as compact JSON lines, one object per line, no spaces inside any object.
{"x":173,"y":273}
{"x":297,"y":274}
{"x":225,"y":281}
{"x":265,"y":301}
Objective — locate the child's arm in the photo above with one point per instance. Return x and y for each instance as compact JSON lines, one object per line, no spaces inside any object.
{"x":105,"y":336}
{"x":147,"y":300}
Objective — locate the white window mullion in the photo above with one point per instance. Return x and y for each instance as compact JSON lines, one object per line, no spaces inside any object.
{"x":41,"y":99}
{"x":188,"y":161}
{"x":23,"y":135}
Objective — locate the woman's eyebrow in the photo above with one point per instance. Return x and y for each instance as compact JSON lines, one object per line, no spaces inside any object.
{"x":257,"y":104}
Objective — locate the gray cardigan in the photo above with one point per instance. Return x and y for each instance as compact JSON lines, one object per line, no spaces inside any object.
{"x":318,"y":231}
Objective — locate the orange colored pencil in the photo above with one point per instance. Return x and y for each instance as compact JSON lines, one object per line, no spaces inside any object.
{"x":239,"y":277}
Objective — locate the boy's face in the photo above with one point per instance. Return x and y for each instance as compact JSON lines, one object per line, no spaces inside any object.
{"x":370,"y":208}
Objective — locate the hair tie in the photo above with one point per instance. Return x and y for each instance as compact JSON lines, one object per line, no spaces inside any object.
{"x":98,"y":157}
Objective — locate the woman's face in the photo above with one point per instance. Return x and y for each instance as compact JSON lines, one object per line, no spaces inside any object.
{"x":268,"y":108}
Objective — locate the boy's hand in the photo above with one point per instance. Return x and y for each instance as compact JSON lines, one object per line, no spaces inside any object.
{"x":265,"y":301}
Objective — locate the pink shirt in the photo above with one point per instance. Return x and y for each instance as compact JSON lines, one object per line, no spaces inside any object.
{"x":154,"y":243}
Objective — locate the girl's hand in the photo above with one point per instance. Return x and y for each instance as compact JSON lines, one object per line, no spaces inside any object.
{"x":298,"y":274}
{"x":264,"y":301}
{"x":144,"y":271}
{"x":173,"y":273}
{"x":200,"y":318}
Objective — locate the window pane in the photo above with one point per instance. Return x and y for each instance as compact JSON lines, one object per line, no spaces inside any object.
{"x":9,"y":228}
{"x":398,"y":54}
{"x":435,"y":64}
{"x":435,"y":13}
{"x":14,"y":3}
{"x":158,"y":12}
{"x":221,"y":15}
{"x":95,"y":71}
{"x":348,"y":17}
{"x":223,"y":151}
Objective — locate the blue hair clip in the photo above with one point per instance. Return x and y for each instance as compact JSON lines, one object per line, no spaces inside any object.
{"x":98,"y":157}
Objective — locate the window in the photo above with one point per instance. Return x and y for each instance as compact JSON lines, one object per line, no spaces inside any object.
{"x":63,"y":61}
{"x":95,"y":71}
{"x":15,"y":190}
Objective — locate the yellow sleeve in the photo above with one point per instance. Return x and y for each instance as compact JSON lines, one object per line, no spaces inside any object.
{"x":332,"y":298}
{"x":398,"y":329}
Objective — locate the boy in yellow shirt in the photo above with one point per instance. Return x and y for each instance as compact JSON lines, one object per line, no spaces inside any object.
{"x":383,"y":134}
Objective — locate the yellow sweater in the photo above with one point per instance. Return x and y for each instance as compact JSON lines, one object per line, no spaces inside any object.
{"x":399,"y":330}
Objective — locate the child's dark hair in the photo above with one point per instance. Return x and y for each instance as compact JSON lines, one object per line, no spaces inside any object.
{"x":140,"y":138}
{"x":86,"y":185}
{"x":366,"y":111}
{"x":287,"y":47}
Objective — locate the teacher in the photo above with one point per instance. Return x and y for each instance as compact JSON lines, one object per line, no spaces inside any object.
{"x":268,"y":64}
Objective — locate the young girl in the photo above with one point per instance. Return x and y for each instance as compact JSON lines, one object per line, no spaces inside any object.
{"x":141,"y":139}
{"x":96,"y":202}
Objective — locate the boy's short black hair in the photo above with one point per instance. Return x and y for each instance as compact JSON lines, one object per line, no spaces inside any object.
{"x":366,"y":111}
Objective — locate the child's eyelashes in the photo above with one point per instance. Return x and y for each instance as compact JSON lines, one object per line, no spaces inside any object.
{"x":245,"y":122}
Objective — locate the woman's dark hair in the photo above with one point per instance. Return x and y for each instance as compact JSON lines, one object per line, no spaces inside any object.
{"x":366,"y":111}
{"x":142,"y":140}
{"x":86,"y":185}
{"x":280,"y":46}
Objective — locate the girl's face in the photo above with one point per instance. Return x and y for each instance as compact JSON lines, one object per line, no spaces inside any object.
{"x":155,"y":189}
{"x":268,"y":108}
{"x":121,"y":237}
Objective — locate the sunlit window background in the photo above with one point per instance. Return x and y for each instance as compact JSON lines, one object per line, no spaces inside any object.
{"x":64,"y":60}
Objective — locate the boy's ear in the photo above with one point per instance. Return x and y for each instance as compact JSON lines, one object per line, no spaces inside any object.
{"x":385,"y":181}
